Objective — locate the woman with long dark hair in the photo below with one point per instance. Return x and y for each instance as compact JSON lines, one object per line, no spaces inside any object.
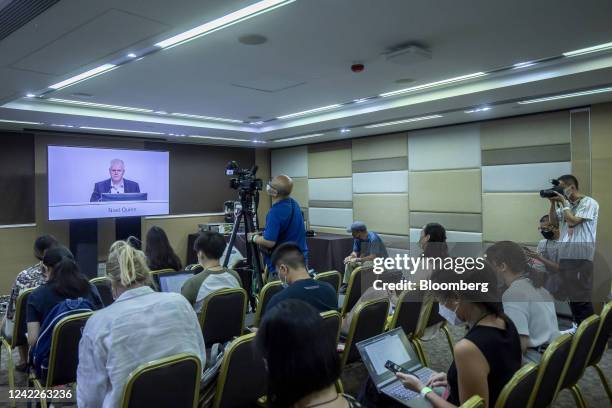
{"x":303,"y":365}
{"x":64,"y":281}
{"x":159,"y":252}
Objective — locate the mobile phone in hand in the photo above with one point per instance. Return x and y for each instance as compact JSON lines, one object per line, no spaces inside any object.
{"x":395,"y":368}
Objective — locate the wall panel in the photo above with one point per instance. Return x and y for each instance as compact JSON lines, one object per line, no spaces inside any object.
{"x":512,"y":216}
{"x":383,"y":213}
{"x":329,"y":160}
{"x":333,"y":189}
{"x":445,"y":191}
{"x":292,"y":161}
{"x":380,"y":147}
{"x":522,"y":177}
{"x":381,"y":182}
{"x":452,"y":147}
{"x":330,"y":217}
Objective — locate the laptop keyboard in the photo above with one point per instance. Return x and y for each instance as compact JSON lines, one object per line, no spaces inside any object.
{"x":397,"y":389}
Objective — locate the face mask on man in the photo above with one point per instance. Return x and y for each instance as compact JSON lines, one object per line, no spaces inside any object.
{"x":269,"y":189}
{"x":548,"y":234}
{"x":450,"y":315}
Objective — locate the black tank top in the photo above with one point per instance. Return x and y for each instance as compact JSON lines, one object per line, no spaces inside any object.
{"x":501,"y":349}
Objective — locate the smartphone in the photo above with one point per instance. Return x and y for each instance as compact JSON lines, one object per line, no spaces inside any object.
{"x":394,"y":368}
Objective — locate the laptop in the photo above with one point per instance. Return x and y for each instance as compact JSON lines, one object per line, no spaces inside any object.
{"x":124,"y":197}
{"x":393,"y":346}
{"x":173,"y":281}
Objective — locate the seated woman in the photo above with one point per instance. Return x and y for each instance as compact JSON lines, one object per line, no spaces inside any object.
{"x":303,"y":365}
{"x":140,"y":326}
{"x":159,"y":252}
{"x":489,"y":354}
{"x":64,"y":281}
{"x":526,"y":302}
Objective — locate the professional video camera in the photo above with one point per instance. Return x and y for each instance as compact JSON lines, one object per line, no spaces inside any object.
{"x":246,"y":180}
{"x":550,"y":193}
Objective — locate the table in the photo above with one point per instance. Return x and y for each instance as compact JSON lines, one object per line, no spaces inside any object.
{"x":326,"y":251}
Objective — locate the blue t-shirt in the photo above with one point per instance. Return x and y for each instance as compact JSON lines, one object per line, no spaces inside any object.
{"x":280,"y":228}
{"x":372,"y":245}
{"x":320,"y":295}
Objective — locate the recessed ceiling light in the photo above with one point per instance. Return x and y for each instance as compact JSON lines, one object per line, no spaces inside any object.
{"x":569,"y":95}
{"x":588,"y":50}
{"x":476,"y":110}
{"x":361,"y":100}
{"x":252,"y":39}
{"x":397,"y":122}
{"x":121,"y":130}
{"x":99,"y":105}
{"x":23,"y":122}
{"x":161,"y":112}
{"x":345,"y":130}
{"x":259,"y":122}
{"x":219,"y":138}
{"x":309,"y":111}
{"x":85,"y":75}
{"x":187,"y":115}
{"x":222,"y":22}
{"x":62,"y":126}
{"x":523,"y":64}
{"x":299,"y":137}
{"x":259,"y":141}
{"x":30,"y":95}
{"x":131,"y":55}
{"x":434,"y":84}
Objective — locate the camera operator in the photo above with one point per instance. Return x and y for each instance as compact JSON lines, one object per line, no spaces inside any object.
{"x":576,"y":215}
{"x":284,"y":221}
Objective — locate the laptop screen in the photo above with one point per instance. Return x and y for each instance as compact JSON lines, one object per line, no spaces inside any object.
{"x":173,"y":282}
{"x":392,"y":345}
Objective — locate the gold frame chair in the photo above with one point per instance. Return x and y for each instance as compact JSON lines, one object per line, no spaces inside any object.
{"x":595,"y":359}
{"x":321,"y":277}
{"x":542,"y":367}
{"x":330,"y":314}
{"x":101,"y":279}
{"x":262,"y":301}
{"x":475,"y":401}
{"x":222,"y":292}
{"x":523,"y":373}
{"x":356,"y":274}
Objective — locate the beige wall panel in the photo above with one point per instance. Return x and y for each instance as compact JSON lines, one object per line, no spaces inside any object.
{"x":532,"y":130}
{"x":177,"y":230}
{"x":456,"y":191}
{"x":382,"y":213}
{"x":581,"y":149}
{"x":331,"y":230}
{"x":330,"y":161}
{"x":512,"y":216}
{"x":17,"y":254}
{"x":380,"y":147}
{"x":300,"y":191}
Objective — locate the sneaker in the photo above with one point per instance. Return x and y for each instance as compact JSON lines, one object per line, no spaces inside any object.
{"x":571,"y":330}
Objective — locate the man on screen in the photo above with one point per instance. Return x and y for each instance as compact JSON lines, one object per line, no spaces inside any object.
{"x":116,"y":184}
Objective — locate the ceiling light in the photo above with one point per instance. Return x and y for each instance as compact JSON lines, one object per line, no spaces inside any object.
{"x":344,"y":130}
{"x":222,"y":22}
{"x":307,"y":112}
{"x":299,"y":137}
{"x":85,"y":75}
{"x":20,"y":121}
{"x":30,"y":95}
{"x":570,"y":95}
{"x":121,"y":130}
{"x":397,"y":122}
{"x":219,"y":138}
{"x":62,"y":126}
{"x":523,"y":64}
{"x":476,"y":110}
{"x":361,"y":100}
{"x":588,"y":50}
{"x":260,"y":122}
{"x":100,"y":105}
{"x":131,"y":55}
{"x":434,"y":84}
{"x":259,"y":141}
{"x":186,"y":115}
{"x":161,"y":112}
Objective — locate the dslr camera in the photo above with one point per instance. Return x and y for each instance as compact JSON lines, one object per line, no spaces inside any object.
{"x":550,"y":193}
{"x":246,"y":180}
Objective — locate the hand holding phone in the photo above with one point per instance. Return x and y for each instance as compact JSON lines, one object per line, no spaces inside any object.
{"x":395,"y":368}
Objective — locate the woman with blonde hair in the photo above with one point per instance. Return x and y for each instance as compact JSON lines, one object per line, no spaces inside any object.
{"x":139,"y":327}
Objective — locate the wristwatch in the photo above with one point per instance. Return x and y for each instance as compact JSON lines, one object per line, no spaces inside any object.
{"x":425,"y":391}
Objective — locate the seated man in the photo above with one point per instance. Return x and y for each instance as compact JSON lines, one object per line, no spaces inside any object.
{"x":116,"y":184}
{"x":29,"y":278}
{"x":366,"y":247}
{"x":210,"y":247}
{"x":289,"y":262}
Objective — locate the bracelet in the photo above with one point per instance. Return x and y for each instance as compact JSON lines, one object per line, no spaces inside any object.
{"x":253,"y":238}
{"x":425,"y":391}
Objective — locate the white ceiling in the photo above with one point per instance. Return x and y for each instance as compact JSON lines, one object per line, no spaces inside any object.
{"x":305,"y":64}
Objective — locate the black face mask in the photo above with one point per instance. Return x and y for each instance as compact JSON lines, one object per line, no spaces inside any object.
{"x":548,"y":234}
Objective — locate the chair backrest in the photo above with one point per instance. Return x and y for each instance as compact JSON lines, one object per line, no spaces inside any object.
{"x":475,"y":401}
{"x":20,"y":327}
{"x":357,"y":284}
{"x":550,"y":371}
{"x":603,"y":334}
{"x":407,"y":312}
{"x":169,"y":382}
{"x":368,"y":321}
{"x":242,"y":377}
{"x":222,"y":315}
{"x":517,"y":391}
{"x":103,"y":284}
{"x":582,"y":344}
{"x":270,"y":289}
{"x":331,"y":277}
{"x":64,"y":352}
{"x":332,"y":321}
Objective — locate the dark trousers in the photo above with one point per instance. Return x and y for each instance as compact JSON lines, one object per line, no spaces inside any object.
{"x":577,"y":278}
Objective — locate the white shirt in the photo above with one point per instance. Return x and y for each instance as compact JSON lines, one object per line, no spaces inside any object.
{"x":578,"y":242}
{"x":141,"y":326}
{"x":212,"y":283}
{"x":549,"y":249}
{"x":117,"y":188}
{"x":532,"y":311}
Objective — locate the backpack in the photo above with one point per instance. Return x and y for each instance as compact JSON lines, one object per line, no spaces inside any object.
{"x":40,"y":352}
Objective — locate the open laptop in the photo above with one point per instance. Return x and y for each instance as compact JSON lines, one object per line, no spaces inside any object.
{"x":124,"y":197}
{"x":393,"y":346}
{"x":173,"y":281}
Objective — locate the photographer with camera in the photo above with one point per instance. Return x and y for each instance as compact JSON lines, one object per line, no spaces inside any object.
{"x":284,"y":222}
{"x":576,"y":215}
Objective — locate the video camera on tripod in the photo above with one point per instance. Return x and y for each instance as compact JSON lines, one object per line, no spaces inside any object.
{"x":246,"y":180}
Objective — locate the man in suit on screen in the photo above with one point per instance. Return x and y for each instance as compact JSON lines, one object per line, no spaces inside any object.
{"x":116,"y":184}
